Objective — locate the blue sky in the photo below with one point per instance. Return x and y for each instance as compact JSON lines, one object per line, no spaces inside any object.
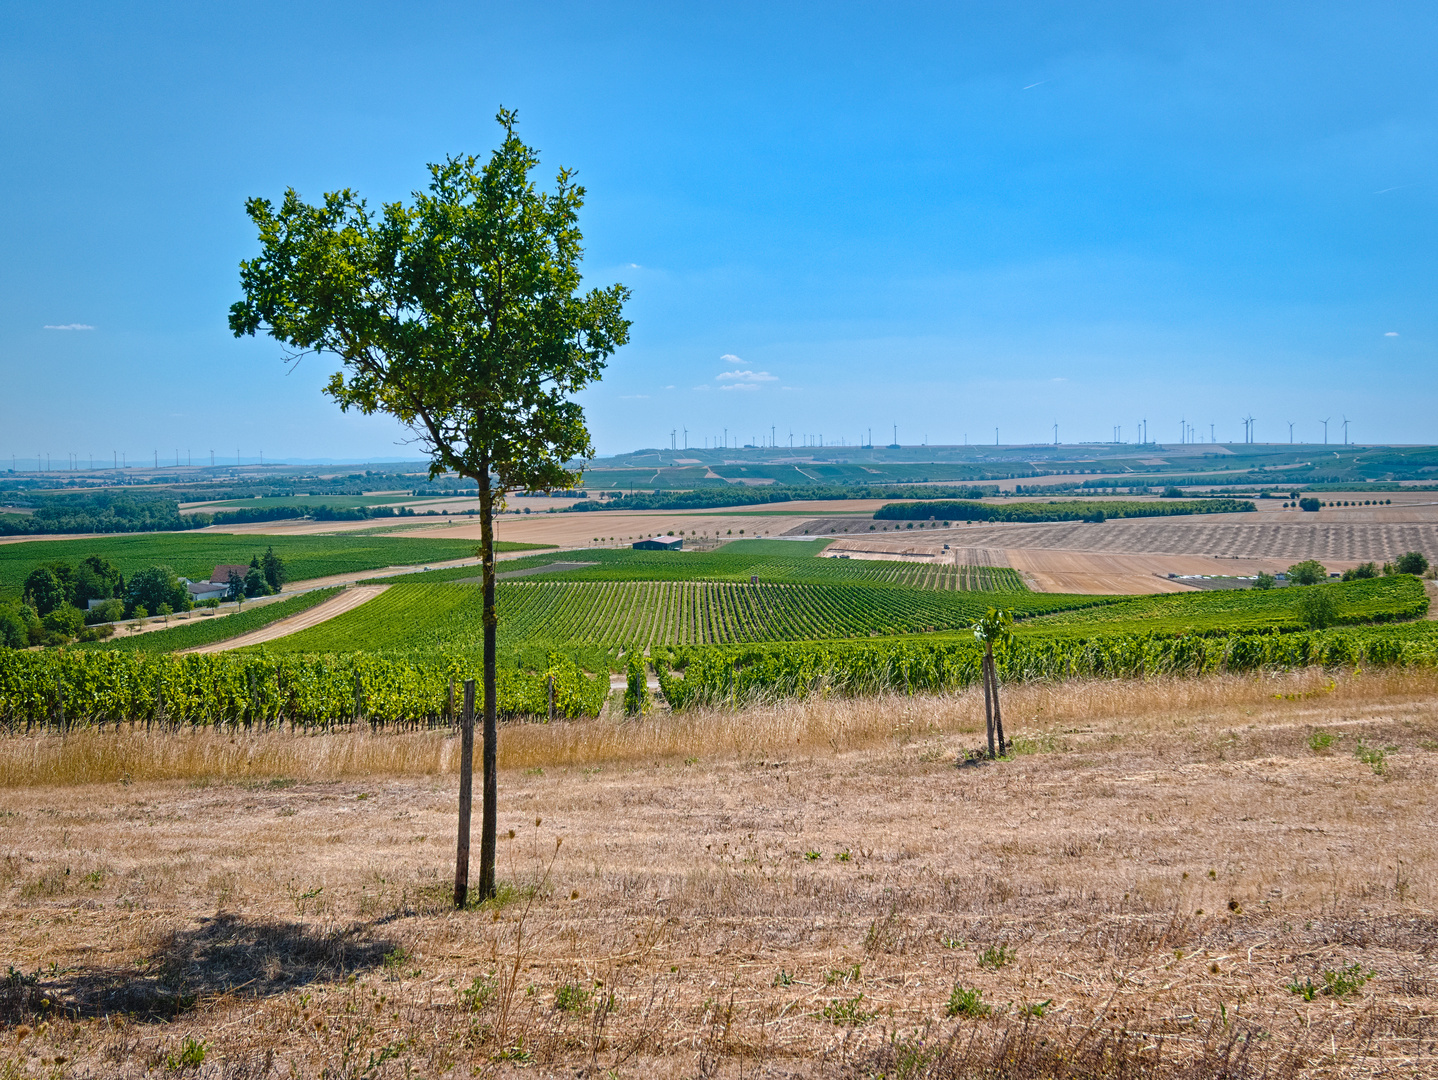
{"x":938,"y":216}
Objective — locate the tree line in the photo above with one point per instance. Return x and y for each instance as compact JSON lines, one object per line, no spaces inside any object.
{"x":65,"y":601}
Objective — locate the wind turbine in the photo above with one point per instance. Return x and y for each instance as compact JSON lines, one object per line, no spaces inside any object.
{"x":1290,"y":433}
{"x":1324,"y":422}
{"x":1183,"y":430}
{"x":1056,"y":432}
{"x":1345,"y":431}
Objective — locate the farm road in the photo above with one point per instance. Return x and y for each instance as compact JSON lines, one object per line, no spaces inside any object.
{"x":337,"y":605}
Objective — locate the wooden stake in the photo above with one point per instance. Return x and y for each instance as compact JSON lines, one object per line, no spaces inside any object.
{"x":550,"y":681}
{"x":466,"y":795}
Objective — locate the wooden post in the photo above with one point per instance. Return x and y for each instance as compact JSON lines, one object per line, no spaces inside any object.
{"x":450,"y":715}
{"x":60,"y":703}
{"x":550,"y":681}
{"x":359,"y":698}
{"x":466,"y":796}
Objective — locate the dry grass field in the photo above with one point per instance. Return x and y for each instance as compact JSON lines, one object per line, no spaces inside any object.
{"x":803,"y":889}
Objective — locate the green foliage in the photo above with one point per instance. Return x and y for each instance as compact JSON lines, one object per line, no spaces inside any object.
{"x":255,"y":584}
{"x":15,"y":626}
{"x":98,"y":512}
{"x":44,"y":591}
{"x":64,"y":621}
{"x":996,"y":956}
{"x":1228,"y":610}
{"x":1316,"y":608}
{"x":1361,"y":572}
{"x":155,"y":587}
{"x":199,"y":632}
{"x":273,"y":568}
{"x":646,"y":614}
{"x":459,"y":315}
{"x":1339,"y":984}
{"x":1321,"y":741}
{"x":1374,"y":757}
{"x":112,"y":610}
{"x":195,"y":555}
{"x":847,"y":1011}
{"x":191,"y":1055}
{"x":967,"y":1002}
{"x":1264,"y":580}
{"x":742,"y":673}
{"x":572,"y":997}
{"x":317,"y":692}
{"x":636,"y":692}
{"x":1074,"y":510}
{"x":1411,"y":562}
{"x":1308,"y":572}
{"x":1172,"y":492}
{"x":771,"y":561}
{"x":96,"y":578}
{"x":1310,"y":504}
{"x":478,"y":993}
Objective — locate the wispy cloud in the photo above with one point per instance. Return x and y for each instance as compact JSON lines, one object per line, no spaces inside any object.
{"x":1391,"y":333}
{"x":740,"y":386}
{"x":633,"y":397}
{"x":70,"y":326}
{"x":746,"y":376}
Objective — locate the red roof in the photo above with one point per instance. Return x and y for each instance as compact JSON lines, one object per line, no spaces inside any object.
{"x":221,"y":576}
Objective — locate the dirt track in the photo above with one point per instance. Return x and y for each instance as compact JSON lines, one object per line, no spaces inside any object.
{"x":337,"y":605}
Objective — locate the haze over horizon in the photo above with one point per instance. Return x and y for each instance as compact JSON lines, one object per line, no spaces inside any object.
{"x":833,"y":219}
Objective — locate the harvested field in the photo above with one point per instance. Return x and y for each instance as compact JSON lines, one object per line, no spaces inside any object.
{"x":800,"y":890}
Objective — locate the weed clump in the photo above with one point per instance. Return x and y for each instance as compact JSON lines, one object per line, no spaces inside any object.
{"x":966,"y":1001}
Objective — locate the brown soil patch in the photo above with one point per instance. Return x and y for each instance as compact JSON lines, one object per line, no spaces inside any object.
{"x":793,"y":891}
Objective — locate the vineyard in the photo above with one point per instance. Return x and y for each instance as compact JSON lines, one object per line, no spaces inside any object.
{"x":195,"y":555}
{"x":738,"y":675}
{"x":1385,"y":599}
{"x":771,"y":561}
{"x":199,"y":630}
{"x":61,"y":689}
{"x":645,"y":613}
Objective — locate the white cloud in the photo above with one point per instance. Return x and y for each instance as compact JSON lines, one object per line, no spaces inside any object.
{"x":1391,"y":333}
{"x":746,"y":376}
{"x":70,"y":326}
{"x":633,"y":397}
{"x":739,"y":386}
{"x":669,"y":387}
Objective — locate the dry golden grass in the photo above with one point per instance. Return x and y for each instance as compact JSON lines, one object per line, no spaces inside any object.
{"x":1156,"y":865}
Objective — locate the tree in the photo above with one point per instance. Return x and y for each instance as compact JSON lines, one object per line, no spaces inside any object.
{"x":1308,"y":572}
{"x":235,"y":586}
{"x":156,"y":586}
{"x":460,"y":315}
{"x":97,"y":579}
{"x":44,"y":591}
{"x":14,"y":627}
{"x":1310,"y":504}
{"x":1264,"y":580}
{"x":1316,"y":609}
{"x":1361,"y":572}
{"x":255,"y":584}
{"x":996,"y":627}
{"x":1411,"y":562}
{"x":273,"y":567}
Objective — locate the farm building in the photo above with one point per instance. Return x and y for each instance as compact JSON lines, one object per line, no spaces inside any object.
{"x":660,"y":543}
{"x":222,"y":573}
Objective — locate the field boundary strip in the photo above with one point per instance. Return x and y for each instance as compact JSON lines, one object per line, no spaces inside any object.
{"x":291,"y":624}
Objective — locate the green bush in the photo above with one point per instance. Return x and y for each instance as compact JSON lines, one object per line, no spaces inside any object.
{"x":1362,"y":571}
{"x":1308,"y":572}
{"x":1316,"y":609}
{"x":1264,"y":580}
{"x":1310,"y":504}
{"x":112,"y":610}
{"x":636,"y":693}
{"x":1411,"y":562}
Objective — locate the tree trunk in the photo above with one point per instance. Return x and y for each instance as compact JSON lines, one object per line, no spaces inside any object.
{"x":489,"y":823}
{"x":988,"y":700}
{"x":998,"y":713}
{"x":466,"y":791}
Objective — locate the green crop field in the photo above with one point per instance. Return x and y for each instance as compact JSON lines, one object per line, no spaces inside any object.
{"x":202,"y":630}
{"x":624,"y":613}
{"x":270,"y":502}
{"x":789,"y":562}
{"x":195,"y":555}
{"x":1385,"y":599}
